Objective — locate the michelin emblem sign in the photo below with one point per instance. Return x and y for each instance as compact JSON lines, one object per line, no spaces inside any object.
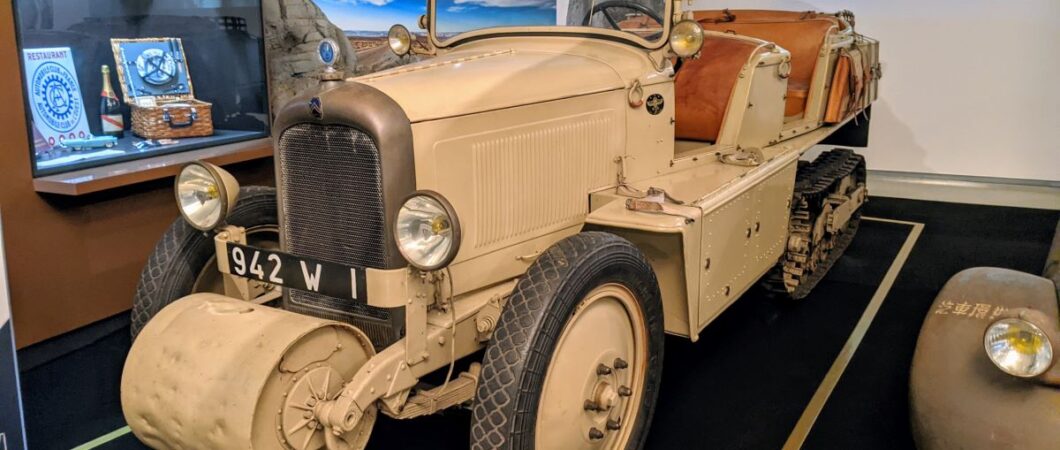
{"x":55,"y":95}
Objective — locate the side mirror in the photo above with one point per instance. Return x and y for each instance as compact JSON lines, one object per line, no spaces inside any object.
{"x":399,"y":39}
{"x":424,"y":22}
{"x":686,"y":38}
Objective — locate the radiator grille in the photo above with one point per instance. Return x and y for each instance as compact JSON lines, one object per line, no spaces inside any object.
{"x":332,"y":203}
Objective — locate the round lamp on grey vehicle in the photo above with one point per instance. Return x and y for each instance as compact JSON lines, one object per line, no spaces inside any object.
{"x":1018,"y":347}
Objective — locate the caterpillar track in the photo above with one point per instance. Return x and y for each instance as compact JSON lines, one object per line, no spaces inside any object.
{"x":825,"y":213}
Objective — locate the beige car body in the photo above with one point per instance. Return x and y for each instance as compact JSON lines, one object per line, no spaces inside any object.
{"x":531,"y":140}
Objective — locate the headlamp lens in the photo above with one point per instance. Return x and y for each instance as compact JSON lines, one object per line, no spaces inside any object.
{"x":426,"y":233}
{"x":686,"y":38}
{"x":1018,"y":347}
{"x":201,"y":197}
{"x":399,"y":39}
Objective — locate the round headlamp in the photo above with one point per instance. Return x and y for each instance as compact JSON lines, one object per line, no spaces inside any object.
{"x":427,"y":231}
{"x":686,"y":38}
{"x":205,"y":194}
{"x":1018,"y":347}
{"x":399,"y":39}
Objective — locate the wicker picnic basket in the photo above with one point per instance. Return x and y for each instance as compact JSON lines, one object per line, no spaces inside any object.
{"x":163,"y":116}
{"x":173,"y":119}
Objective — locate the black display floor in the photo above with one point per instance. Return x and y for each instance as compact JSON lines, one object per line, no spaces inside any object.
{"x":745,"y":384}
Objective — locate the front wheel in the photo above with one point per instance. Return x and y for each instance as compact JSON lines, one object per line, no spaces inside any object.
{"x":184,"y":260}
{"x":576,"y":359}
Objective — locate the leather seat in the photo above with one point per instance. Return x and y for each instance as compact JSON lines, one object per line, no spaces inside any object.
{"x":801,"y":33}
{"x":703,"y":87}
{"x":795,"y":100}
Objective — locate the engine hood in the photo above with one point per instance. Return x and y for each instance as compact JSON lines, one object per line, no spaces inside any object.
{"x":476,"y":80}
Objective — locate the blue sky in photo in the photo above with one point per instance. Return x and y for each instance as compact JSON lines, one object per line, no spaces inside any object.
{"x":464,"y":15}
{"x":453,"y":15}
{"x":373,"y":15}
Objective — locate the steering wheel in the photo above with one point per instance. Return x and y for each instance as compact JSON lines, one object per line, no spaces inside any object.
{"x":609,"y":4}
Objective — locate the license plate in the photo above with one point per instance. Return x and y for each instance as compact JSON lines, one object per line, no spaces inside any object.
{"x":305,"y":274}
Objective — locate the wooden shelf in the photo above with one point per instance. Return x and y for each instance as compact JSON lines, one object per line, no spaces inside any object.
{"x":97,"y":179}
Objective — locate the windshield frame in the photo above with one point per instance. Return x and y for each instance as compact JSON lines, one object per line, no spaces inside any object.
{"x":554,"y":30}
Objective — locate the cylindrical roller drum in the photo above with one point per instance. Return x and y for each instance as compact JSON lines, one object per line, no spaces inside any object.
{"x":214,"y":372}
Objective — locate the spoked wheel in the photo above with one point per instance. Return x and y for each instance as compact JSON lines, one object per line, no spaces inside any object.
{"x":576,"y":359}
{"x":601,"y":355}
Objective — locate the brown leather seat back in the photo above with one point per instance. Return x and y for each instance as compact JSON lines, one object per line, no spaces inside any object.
{"x":761,"y":15}
{"x":801,"y":33}
{"x":703,"y":87}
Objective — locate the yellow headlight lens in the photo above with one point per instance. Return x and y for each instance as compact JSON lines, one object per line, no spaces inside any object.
{"x":1018,"y":347}
{"x":686,"y":38}
{"x":201,"y":197}
{"x":440,"y":225}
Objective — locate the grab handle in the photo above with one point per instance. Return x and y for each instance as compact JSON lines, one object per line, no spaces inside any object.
{"x":193,"y":115}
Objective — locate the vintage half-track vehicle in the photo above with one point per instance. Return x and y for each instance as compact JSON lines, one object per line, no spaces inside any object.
{"x":985,"y":373}
{"x":551,"y":199}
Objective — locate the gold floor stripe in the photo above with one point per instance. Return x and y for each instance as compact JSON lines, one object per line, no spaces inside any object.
{"x":104,"y":439}
{"x":820,"y":397}
{"x":902,"y":222}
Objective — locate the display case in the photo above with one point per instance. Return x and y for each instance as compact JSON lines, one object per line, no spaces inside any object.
{"x":111,"y":81}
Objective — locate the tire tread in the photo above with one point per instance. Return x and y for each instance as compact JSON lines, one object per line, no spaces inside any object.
{"x":505,"y":405}
{"x":182,"y":251}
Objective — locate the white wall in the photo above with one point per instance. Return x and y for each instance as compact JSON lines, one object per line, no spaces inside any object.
{"x":970,"y":87}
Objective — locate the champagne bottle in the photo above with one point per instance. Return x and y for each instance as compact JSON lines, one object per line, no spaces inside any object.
{"x":110,"y":109}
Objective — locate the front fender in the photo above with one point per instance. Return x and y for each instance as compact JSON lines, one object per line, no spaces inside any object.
{"x":958,"y":398}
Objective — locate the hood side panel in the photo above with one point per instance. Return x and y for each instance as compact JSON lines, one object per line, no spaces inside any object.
{"x":502,"y":171}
